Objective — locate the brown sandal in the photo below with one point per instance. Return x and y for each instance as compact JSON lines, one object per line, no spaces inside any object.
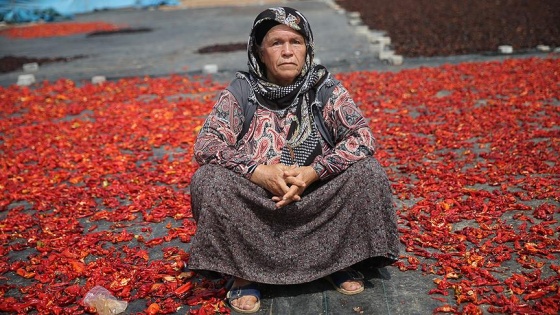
{"x":342,"y":276}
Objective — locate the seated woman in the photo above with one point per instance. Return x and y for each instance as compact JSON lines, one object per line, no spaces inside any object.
{"x":288,"y":190}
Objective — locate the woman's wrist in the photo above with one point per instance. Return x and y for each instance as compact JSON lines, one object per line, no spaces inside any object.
{"x":318,"y":168}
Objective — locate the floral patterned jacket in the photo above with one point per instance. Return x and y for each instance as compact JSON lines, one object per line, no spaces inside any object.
{"x":262,"y":144}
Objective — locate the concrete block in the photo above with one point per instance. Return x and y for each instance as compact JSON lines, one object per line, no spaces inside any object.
{"x":396,"y":60}
{"x":373,"y":36}
{"x":98,"y":79}
{"x":25,"y":79}
{"x":335,"y":7}
{"x":210,"y":69}
{"x":505,"y":49}
{"x":30,"y":67}
{"x":386,"y":40}
{"x":362,"y":29}
{"x":386,"y":54}
{"x":355,"y":22}
{"x":354,"y":15}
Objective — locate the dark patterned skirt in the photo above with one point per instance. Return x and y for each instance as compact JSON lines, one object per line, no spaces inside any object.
{"x":346,"y":220}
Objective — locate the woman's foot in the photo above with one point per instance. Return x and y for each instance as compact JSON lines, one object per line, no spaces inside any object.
{"x":352,"y":285}
{"x":347,"y":281}
{"x":243,"y":297}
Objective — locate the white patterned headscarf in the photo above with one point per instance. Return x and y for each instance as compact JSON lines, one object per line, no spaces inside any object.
{"x":310,"y":73}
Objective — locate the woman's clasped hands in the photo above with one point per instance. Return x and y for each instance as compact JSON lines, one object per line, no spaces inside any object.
{"x":285,"y":182}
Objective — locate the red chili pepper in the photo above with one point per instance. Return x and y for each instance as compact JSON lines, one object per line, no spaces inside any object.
{"x":26,"y":274}
{"x":73,"y":290}
{"x":534,"y":295}
{"x":184,"y":288}
{"x":78,"y":266}
{"x":153,"y":309}
{"x":57,"y":29}
{"x":467,"y":184}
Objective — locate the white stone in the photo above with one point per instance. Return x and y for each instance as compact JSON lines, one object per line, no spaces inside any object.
{"x":25,"y":79}
{"x":386,"y":54}
{"x":355,"y":22}
{"x":543,"y":48}
{"x":505,"y":49}
{"x":385,"y":40}
{"x":30,"y":67}
{"x":334,"y":6}
{"x":354,"y":15}
{"x":210,"y":69}
{"x":396,"y":60}
{"x":98,"y":79}
{"x":373,"y":36}
{"x":362,"y":29}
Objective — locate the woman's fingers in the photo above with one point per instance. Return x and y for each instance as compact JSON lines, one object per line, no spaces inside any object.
{"x":295,"y":181}
{"x":285,"y":182}
{"x":292,"y":195}
{"x":271,"y":178}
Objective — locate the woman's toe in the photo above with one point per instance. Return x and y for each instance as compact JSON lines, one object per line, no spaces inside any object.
{"x":352,"y":285}
{"x":249,"y":303}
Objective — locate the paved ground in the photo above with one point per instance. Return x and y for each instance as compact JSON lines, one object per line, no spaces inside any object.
{"x":171,"y":48}
{"x":177,"y":34}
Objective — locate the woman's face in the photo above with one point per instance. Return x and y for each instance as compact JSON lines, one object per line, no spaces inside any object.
{"x":283,"y":53}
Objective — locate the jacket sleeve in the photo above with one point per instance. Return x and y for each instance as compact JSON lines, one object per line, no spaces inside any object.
{"x":216,"y":142}
{"x":354,"y":139}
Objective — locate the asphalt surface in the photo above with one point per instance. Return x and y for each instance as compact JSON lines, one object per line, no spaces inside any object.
{"x":171,"y":45}
{"x":171,"y":48}
{"x":174,"y":36}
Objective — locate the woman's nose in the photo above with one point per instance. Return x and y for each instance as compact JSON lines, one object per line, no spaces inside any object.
{"x":287,"y":49}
